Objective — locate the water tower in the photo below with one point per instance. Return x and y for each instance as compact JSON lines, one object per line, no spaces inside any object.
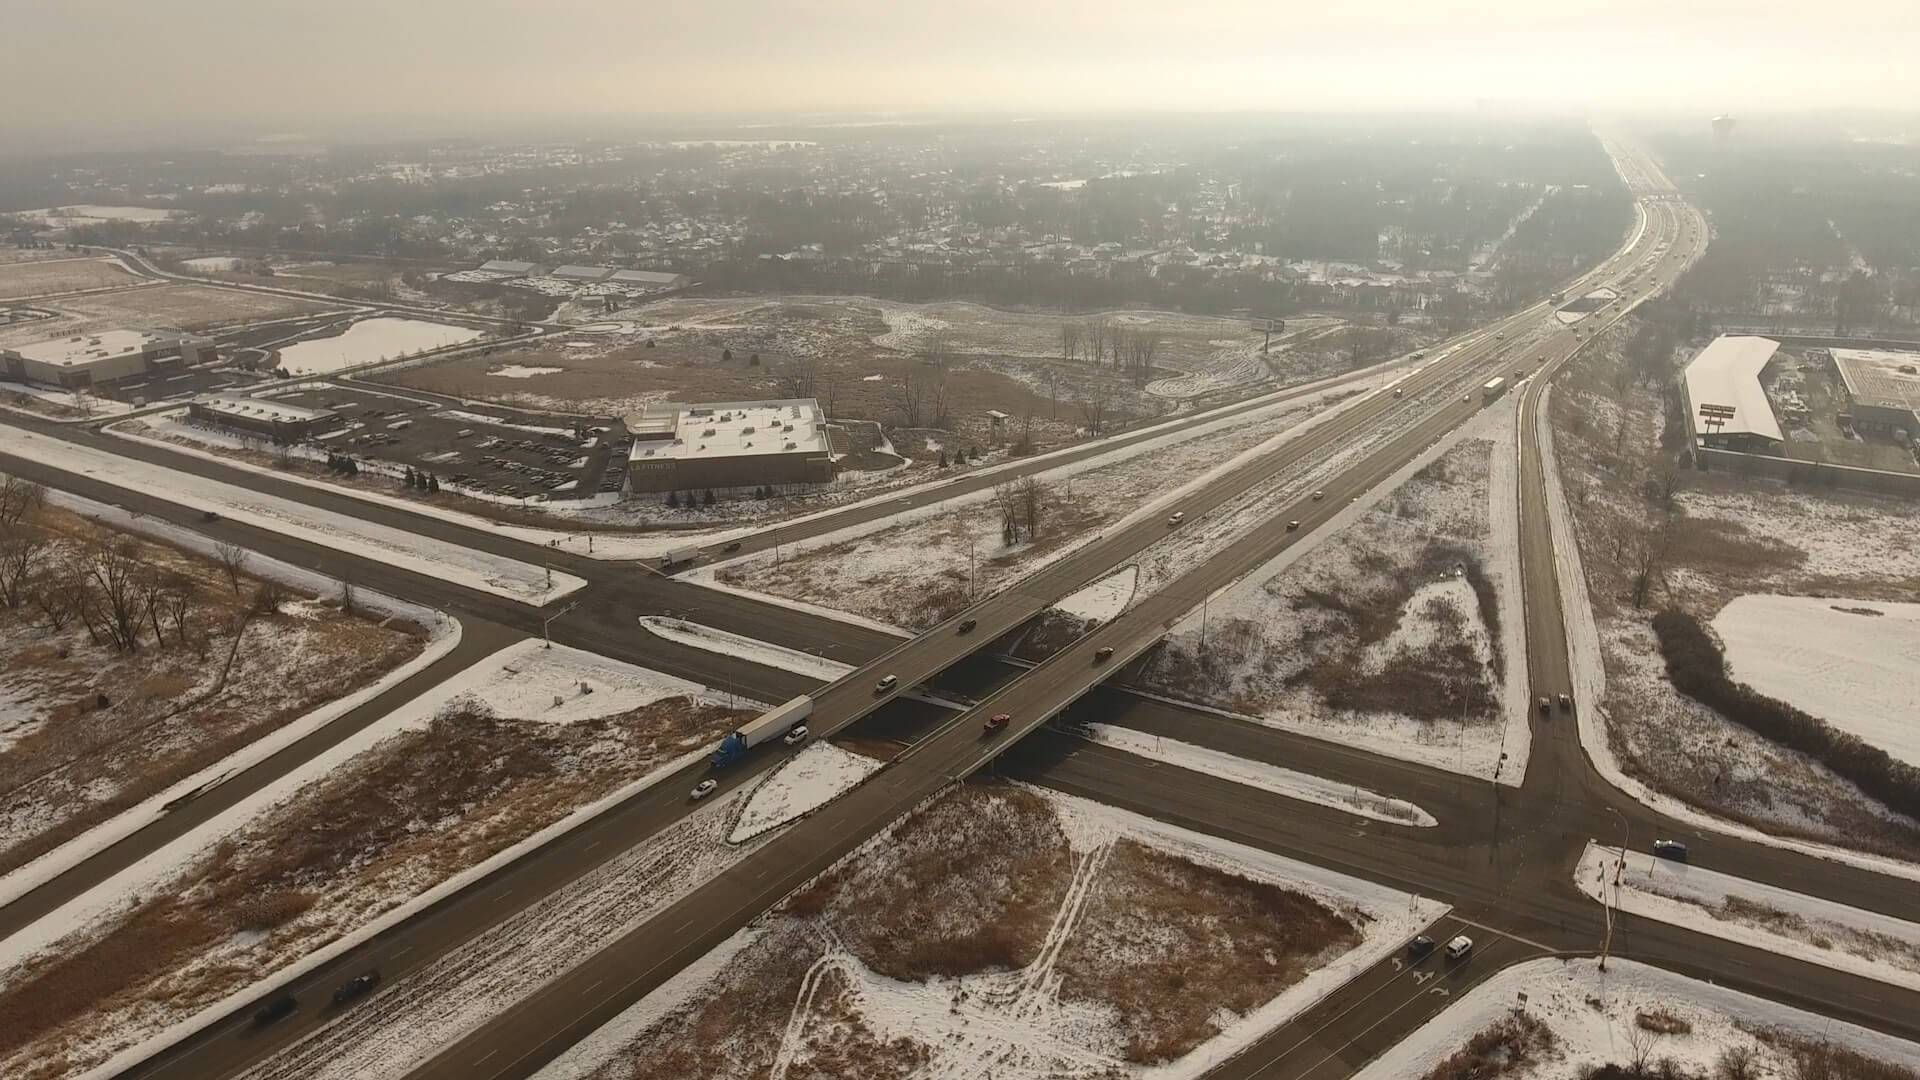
{"x":1722,"y":129}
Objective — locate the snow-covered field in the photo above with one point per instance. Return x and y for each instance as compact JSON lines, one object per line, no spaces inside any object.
{"x":800,"y":785}
{"x":370,"y":340}
{"x":1046,"y":952}
{"x":1563,"y":995}
{"x":414,"y":1018}
{"x":429,"y":557}
{"x":1724,"y":538}
{"x":491,"y":763}
{"x":1385,"y":609}
{"x":1289,"y":783}
{"x":1854,"y":664}
{"x":1754,"y":913}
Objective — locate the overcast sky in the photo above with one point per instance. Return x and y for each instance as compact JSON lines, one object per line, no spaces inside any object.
{"x":80,"y":65}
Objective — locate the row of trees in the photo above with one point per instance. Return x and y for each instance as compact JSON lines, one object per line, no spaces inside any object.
{"x":105,"y":581}
{"x":1022,"y":504}
{"x":1128,"y":349}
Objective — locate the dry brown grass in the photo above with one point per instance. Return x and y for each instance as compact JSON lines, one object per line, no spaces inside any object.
{"x":419,"y":806}
{"x":1512,"y":1044}
{"x":1196,"y":940}
{"x":1662,"y":1022}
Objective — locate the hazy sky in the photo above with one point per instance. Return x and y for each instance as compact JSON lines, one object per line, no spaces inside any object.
{"x":79,"y":65}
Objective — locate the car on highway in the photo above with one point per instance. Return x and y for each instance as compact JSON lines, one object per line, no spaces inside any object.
{"x":1419,"y":947}
{"x":1498,"y":334}
{"x":967,"y":625}
{"x":1566,"y":703}
{"x":1318,"y":495}
{"x":1293,"y":526}
{"x":1545,"y":705}
{"x":1176,"y":517}
{"x":358,"y":986}
{"x":1459,"y":947}
{"x":277,"y":1009}
{"x":1102,"y":653}
{"x":703,"y":789}
{"x":795,"y":737}
{"x":996,"y":722}
{"x":208,"y":515}
{"x":886,"y":683}
{"x":1397,"y":392}
{"x":735,"y":546}
{"x":1670,"y":849}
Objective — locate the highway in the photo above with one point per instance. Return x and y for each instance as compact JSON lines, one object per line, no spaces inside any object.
{"x":1502,"y":856}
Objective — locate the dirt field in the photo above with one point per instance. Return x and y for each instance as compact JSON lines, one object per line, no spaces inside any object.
{"x":192,"y":308}
{"x":383,"y":826}
{"x":1653,"y":537}
{"x":855,"y":353}
{"x":40,"y":277}
{"x":1046,"y":949}
{"x":88,"y":729}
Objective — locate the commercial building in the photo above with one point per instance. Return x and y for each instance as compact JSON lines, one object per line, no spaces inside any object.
{"x":583,"y":273}
{"x":275,"y":420}
{"x":86,"y":360}
{"x":1725,"y":401}
{"x":728,"y":445}
{"x":511,"y":268}
{"x":648,"y":279}
{"x":1883,"y":389}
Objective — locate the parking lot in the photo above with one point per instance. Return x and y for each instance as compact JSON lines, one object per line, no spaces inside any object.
{"x":484,"y":450}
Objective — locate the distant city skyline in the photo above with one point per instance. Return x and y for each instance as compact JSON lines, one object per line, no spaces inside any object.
{"x":100,"y":67}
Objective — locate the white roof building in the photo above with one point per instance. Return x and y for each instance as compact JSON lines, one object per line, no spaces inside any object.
{"x":583,"y":273}
{"x":1727,"y":373}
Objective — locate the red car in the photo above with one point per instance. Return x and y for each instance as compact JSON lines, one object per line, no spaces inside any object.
{"x":997,"y":721}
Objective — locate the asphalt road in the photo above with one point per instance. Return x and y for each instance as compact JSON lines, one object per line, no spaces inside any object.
{"x":1500,"y":855}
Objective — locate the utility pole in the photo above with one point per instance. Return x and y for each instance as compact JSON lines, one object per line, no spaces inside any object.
{"x":548,"y":621}
{"x":1606,"y":900}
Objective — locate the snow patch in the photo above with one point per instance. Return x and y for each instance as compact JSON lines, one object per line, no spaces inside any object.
{"x":800,"y":785}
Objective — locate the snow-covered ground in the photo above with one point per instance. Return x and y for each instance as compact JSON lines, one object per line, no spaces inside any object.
{"x":1563,"y":993}
{"x":800,"y":785}
{"x":427,"y":556}
{"x":369,"y":340}
{"x":557,"y":685}
{"x":414,"y":1018}
{"x":918,"y":566}
{"x":1754,"y":913}
{"x":727,"y":643}
{"x":1009,"y":1024}
{"x":1453,"y":505}
{"x":1752,"y":537}
{"x":1105,"y":598}
{"x":1258,"y":774}
{"x":1852,"y":663}
{"x":443,"y":634}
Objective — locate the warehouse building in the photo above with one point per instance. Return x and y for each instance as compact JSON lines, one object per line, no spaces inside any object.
{"x":583,"y":273}
{"x":1883,"y":389}
{"x":1729,"y":409}
{"x":728,"y":445}
{"x":277,"y":420}
{"x":87,"y":360}
{"x":511,"y":268}
{"x":648,"y":279}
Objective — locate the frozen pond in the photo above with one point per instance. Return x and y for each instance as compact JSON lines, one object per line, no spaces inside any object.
{"x":369,"y":340}
{"x":1853,"y":663}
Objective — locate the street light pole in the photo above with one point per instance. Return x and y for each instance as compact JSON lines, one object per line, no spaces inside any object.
{"x":1606,"y":903}
{"x":547,"y":642}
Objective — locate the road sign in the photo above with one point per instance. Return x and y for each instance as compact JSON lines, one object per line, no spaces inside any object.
{"x":1715,"y":417}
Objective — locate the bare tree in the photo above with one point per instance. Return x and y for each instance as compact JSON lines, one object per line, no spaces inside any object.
{"x":19,"y":500}
{"x":1069,"y":340}
{"x":177,"y":601}
{"x":1007,"y":501}
{"x":232,"y":558}
{"x":1649,"y":555}
{"x":1097,"y":332}
{"x":1033,"y":498}
{"x":21,"y":547}
{"x":52,"y":600}
{"x":1640,"y":1042}
{"x":910,"y":395}
{"x":116,"y":610}
{"x":1093,"y":409}
{"x":348,"y":597}
{"x":797,"y":378}
{"x":938,"y":350}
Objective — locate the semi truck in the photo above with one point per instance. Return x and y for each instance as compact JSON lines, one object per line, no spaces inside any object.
{"x":768,"y":725}
{"x":1493,"y":389}
{"x":679,"y":556}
